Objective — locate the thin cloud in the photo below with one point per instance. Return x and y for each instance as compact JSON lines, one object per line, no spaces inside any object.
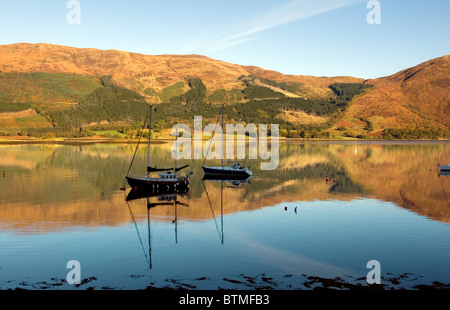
{"x":291,"y":12}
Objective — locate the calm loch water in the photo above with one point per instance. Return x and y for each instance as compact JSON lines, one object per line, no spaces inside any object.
{"x":284,"y":229}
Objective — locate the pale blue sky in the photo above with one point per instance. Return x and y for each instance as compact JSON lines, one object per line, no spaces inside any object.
{"x":302,"y":37}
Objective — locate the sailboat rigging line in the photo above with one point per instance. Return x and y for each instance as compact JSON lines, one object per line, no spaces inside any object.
{"x":210,"y":140}
{"x":443,"y":189}
{"x":137,"y":146}
{"x":443,"y":152}
{"x":212,"y":211}
{"x":221,"y":207}
{"x":175,"y":222}
{"x":139,"y":235}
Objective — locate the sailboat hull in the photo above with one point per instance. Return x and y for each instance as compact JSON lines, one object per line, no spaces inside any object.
{"x":226,"y":172}
{"x":157,"y":184}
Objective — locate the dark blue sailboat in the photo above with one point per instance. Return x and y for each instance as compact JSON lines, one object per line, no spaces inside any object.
{"x":167,"y":181}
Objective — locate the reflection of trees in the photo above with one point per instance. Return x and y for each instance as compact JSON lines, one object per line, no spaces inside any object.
{"x":104,"y":166}
{"x":402,"y":173}
{"x":398,"y":173}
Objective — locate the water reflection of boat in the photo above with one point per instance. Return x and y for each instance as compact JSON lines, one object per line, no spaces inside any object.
{"x":445,"y":168}
{"x":444,"y":172}
{"x":168,"y":198}
{"x":164,"y":181}
{"x":236,"y":171}
{"x":136,"y":193}
{"x":234,"y":183}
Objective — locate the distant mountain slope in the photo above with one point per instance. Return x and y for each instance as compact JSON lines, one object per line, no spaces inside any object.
{"x":415,"y":97}
{"x":140,"y":72}
{"x":75,"y":88}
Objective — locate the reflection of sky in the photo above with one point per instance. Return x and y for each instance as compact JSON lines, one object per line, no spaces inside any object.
{"x":324,"y":238}
{"x":246,"y":32}
{"x":330,"y":236}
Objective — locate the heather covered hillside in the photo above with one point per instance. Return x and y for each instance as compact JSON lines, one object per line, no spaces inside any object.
{"x":70,"y":91}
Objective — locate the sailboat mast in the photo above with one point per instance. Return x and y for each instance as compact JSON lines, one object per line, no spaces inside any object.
{"x":221,"y":157}
{"x":149,"y":137}
{"x":176,"y":148}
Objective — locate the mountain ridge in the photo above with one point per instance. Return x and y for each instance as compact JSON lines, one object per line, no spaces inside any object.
{"x":420,"y":94}
{"x":55,"y":77}
{"x":125,"y":65}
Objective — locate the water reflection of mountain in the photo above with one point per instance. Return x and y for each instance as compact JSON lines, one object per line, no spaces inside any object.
{"x":78,"y":185}
{"x":405,"y":174}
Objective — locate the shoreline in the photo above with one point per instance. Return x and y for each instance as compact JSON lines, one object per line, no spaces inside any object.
{"x":260,"y":282}
{"x":29,"y":140}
